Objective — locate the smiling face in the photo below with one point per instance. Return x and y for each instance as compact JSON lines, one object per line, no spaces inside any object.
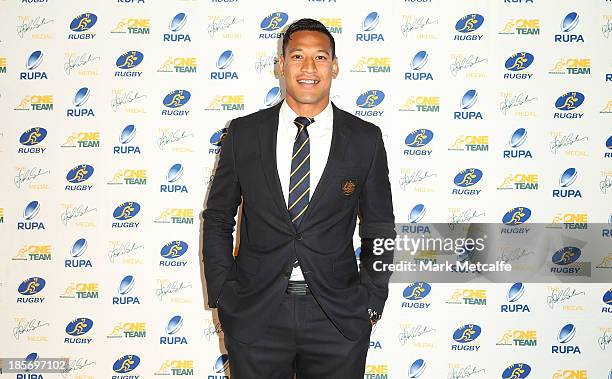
{"x":308,"y":67}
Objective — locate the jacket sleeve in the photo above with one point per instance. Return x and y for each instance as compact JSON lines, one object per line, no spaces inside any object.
{"x":219,"y":219}
{"x":376,"y":221}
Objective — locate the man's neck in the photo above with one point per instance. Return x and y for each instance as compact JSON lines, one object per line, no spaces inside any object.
{"x":306,"y":110}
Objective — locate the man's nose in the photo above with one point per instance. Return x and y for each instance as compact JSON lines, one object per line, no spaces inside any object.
{"x":308,"y":65}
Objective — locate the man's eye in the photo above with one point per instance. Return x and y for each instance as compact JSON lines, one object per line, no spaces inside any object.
{"x":322,"y":57}
{"x":297,"y":56}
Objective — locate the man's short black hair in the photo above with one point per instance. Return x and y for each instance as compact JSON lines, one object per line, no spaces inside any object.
{"x":310,"y":25}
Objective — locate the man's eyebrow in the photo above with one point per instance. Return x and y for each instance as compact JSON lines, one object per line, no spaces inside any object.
{"x":300,"y":49}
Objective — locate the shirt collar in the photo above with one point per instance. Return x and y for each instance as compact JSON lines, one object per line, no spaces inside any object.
{"x":322,"y":120}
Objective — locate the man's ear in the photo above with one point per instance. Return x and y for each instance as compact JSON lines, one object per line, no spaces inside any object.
{"x":281,"y":65}
{"x":335,"y":68}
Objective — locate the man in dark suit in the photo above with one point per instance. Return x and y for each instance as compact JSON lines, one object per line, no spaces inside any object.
{"x":293,"y":299}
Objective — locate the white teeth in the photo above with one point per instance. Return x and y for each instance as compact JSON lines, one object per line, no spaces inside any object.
{"x":307,"y":81}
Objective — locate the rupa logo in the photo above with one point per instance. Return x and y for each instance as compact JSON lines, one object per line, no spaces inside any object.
{"x":607,"y":300}
{"x":517,"y":337}
{"x":171,"y":252}
{"x":416,"y":214}
{"x":516,"y":371}
{"x":418,"y":62}
{"x":368,"y":25}
{"x":32,"y":63}
{"x":83,"y":140}
{"x":125,"y":138}
{"x":29,"y":290}
{"x":417,"y":140}
{"x":124,"y":212}
{"x":414,"y":294}
{"x":567,"y":178}
{"x":223,"y":64}
{"x":368,"y":100}
{"x":129,"y":330}
{"x":77,"y":175}
{"x":35,"y":103}
{"x":470,"y":143}
{"x":172,"y":328}
{"x":76,"y":259}
{"x":273,"y":96}
{"x":517,"y":139}
{"x":80,"y":98}
{"x":176,"y":24}
{"x":133,"y":26}
{"x":172,"y":177}
{"x":185,"y":65}
{"x":522,"y":26}
{"x":425,"y":104}
{"x":468,"y":100}
{"x":216,"y":139}
{"x":517,"y":63}
{"x":127,"y":62}
{"x":220,"y":367}
{"x":572,"y":66}
{"x":568,"y":103}
{"x":77,"y":329}
{"x":272,"y":24}
{"x":565,"y":336}
{"x":568,"y":24}
{"x":467,"y":26}
{"x":33,"y":137}
{"x":81,"y":25}
{"x":467,"y":178}
{"x":30,"y":212}
{"x":372,"y":65}
{"x":515,"y":292}
{"x":125,"y":287}
{"x":417,"y":368}
{"x":464,"y":336}
{"x":468,"y":296}
{"x":410,"y":228}
{"x":176,"y":99}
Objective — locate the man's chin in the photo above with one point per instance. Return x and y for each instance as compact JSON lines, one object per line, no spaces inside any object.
{"x":308,"y":99}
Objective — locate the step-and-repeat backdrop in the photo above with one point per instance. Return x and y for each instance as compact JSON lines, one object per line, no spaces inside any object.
{"x":113,"y":115}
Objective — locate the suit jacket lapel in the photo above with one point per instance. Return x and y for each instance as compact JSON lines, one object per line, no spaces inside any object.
{"x":267,"y":143}
{"x":335,"y":157}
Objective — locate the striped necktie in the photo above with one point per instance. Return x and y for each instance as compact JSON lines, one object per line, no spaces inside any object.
{"x":299,"y":180}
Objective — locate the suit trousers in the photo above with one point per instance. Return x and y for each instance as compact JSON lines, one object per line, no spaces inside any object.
{"x":300,"y":340}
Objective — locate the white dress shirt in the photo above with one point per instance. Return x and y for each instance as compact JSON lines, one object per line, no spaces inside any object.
{"x":320,"y":134}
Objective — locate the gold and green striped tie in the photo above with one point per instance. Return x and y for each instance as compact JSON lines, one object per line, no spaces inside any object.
{"x":299,"y":180}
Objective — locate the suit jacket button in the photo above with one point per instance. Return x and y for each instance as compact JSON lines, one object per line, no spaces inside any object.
{"x":298,"y":236}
